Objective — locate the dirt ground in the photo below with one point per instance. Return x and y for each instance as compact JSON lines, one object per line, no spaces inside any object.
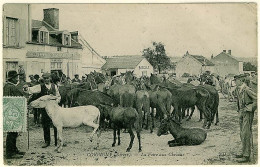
{"x":222,"y":143}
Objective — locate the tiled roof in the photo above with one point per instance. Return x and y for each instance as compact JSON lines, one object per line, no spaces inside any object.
{"x":122,"y":62}
{"x":39,"y":24}
{"x":52,"y":39}
{"x":226,"y":54}
{"x":204,"y":61}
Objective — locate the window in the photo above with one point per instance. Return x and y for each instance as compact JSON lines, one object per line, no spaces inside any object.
{"x":56,"y":65}
{"x":66,"y":39}
{"x":11,"y":31}
{"x":52,"y":65}
{"x":43,"y":37}
{"x":58,"y":48}
{"x":59,"y":65}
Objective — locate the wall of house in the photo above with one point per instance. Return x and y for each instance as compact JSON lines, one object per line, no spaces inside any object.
{"x":20,"y":12}
{"x":69,"y":67}
{"x":143,"y":68}
{"x":225,"y":64}
{"x":91,"y":62}
{"x":188,"y":65}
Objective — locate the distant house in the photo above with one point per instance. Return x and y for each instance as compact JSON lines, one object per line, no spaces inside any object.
{"x":121,"y":64}
{"x":193,"y":65}
{"x":225,"y":64}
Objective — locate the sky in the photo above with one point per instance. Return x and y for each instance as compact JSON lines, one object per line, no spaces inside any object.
{"x":127,"y":29}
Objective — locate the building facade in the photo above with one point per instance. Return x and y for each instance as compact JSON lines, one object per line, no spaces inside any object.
{"x":226,"y":64}
{"x":38,"y":45}
{"x":193,"y":65}
{"x":121,"y":64}
{"x":91,"y":60}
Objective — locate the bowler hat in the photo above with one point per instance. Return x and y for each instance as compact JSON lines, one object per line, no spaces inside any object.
{"x":36,"y":76}
{"x":76,"y":75}
{"x":12,"y":74}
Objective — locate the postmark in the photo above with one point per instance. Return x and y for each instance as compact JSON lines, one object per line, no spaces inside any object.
{"x":14,"y":114}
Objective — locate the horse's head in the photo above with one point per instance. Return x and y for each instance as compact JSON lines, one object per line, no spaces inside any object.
{"x":155,"y":79}
{"x":163,"y":128}
{"x":43,"y":101}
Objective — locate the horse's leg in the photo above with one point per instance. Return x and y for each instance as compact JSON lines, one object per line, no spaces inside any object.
{"x":147,"y":113}
{"x":188,"y":112}
{"x":183,"y":112}
{"x":217,"y":119}
{"x":201,"y":116}
{"x":118,"y":136}
{"x":152,"y":115}
{"x":139,"y":139}
{"x":98,"y":136}
{"x":191,"y":113}
{"x":114,"y":134}
{"x":178,"y":142}
{"x":178,"y":109}
{"x":132,"y":136}
{"x":59,"y":129}
{"x":92,"y":124}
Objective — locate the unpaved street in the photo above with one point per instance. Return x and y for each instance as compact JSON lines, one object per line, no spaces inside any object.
{"x":219,"y":148}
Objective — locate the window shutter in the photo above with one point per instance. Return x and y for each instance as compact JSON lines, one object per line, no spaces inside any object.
{"x":22,"y":35}
{"x":4,"y":30}
{"x":17,"y":33}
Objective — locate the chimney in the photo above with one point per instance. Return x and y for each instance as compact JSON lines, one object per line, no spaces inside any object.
{"x":224,"y":51}
{"x":51,"y":16}
{"x":229,"y":52}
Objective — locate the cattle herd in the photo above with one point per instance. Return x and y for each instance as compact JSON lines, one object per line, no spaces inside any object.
{"x":130,"y":103}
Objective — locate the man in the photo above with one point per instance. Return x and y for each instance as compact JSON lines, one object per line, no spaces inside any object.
{"x":36,"y":111}
{"x":83,"y":79}
{"x":247,"y":104}
{"x":46,"y":88}
{"x":21,"y":73}
{"x":253,"y":81}
{"x":10,"y":89}
{"x":76,"y":79}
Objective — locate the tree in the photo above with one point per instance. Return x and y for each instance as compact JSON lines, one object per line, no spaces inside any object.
{"x":247,"y":66}
{"x":157,"y":57}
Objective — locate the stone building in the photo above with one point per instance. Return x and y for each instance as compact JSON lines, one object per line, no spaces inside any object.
{"x":120,"y":64}
{"x":226,"y":64}
{"x":193,"y":65}
{"x":38,"y":45}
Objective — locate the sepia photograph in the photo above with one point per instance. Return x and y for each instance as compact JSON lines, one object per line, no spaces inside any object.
{"x":129,"y":84}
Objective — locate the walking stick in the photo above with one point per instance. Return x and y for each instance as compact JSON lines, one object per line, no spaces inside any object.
{"x":28,"y":137}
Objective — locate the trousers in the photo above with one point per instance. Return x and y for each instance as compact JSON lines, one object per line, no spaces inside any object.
{"x":245,"y":122}
{"x":11,"y":148}
{"x":46,"y":125}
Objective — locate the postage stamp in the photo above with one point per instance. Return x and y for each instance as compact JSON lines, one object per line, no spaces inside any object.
{"x":14,"y":114}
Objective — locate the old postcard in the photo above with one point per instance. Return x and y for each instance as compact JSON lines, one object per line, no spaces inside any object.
{"x":129,"y":84}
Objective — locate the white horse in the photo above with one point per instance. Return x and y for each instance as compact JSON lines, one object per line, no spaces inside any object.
{"x":69,"y":117}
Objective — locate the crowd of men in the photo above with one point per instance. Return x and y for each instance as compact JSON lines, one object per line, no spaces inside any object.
{"x":44,"y":85}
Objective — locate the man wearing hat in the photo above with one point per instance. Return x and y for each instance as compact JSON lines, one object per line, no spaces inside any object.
{"x":76,"y":79}
{"x":46,"y":88}
{"x":10,"y":89}
{"x":247,"y":104}
{"x":83,"y":79}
